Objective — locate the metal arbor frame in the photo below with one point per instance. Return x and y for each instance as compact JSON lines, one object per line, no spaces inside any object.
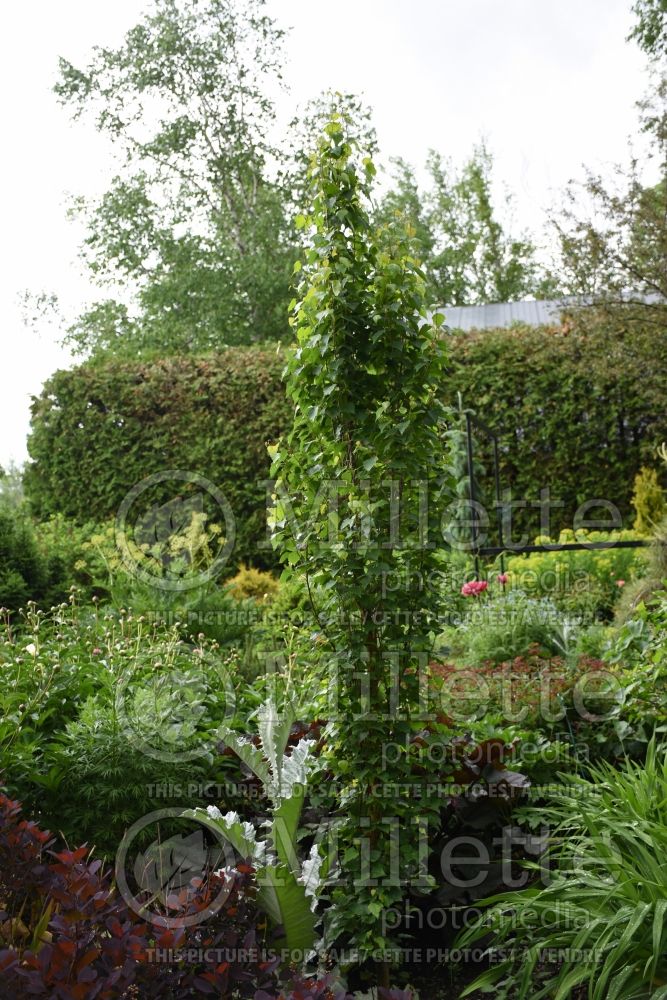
{"x":479,"y":551}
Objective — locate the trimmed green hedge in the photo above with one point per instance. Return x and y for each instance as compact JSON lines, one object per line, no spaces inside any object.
{"x":97,"y":430}
{"x":577,"y":408}
{"x":578,"y":411}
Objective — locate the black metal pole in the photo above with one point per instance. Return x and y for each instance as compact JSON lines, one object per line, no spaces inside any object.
{"x":471,"y":487}
{"x":499,"y":506}
{"x":519,"y":550}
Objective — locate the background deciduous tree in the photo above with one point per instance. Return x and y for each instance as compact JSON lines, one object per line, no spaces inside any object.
{"x":193,"y":228}
{"x":650,"y":29}
{"x":469,"y":255}
{"x":612,"y":231}
{"x":613,"y":234}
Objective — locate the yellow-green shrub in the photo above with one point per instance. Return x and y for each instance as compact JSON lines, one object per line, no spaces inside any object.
{"x":586,"y":577}
{"x":255,"y":583}
{"x":648,"y":499}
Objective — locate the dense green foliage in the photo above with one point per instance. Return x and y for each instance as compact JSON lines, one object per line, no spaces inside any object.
{"x":648,"y":499}
{"x":83,"y":759}
{"x":601,"y":919}
{"x":366,"y":383}
{"x":577,"y":410}
{"x":194,"y":226}
{"x":89,"y":727}
{"x":27,"y":572}
{"x":109,"y":426}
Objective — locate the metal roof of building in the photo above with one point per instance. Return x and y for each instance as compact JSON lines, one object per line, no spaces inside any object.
{"x":503,"y":314}
{"x":533,"y":313}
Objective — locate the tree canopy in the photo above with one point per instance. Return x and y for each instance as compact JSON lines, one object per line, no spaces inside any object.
{"x":650,"y":29}
{"x":613,"y":234}
{"x":468,"y":254}
{"x":194,"y":224}
{"x":192,"y":245}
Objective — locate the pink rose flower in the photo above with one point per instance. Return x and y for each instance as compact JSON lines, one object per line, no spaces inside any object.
{"x":474,"y":588}
{"x":620,"y":583}
{"x":503,"y":578}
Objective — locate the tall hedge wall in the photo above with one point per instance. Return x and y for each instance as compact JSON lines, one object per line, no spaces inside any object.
{"x":97,"y":430}
{"x":578,"y":408}
{"x":578,"y":411}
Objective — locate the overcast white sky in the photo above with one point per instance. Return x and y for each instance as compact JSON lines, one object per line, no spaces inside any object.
{"x":550,"y":83}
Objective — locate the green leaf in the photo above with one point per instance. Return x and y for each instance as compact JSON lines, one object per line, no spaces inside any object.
{"x":286,"y":903}
{"x":284,"y":826}
{"x":249,"y":754}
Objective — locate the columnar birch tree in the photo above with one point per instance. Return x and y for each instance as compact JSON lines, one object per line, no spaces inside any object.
{"x":360,"y":491}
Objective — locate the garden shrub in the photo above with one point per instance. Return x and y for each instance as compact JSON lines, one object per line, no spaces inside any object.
{"x":364,"y":383}
{"x":26,"y":572}
{"x":578,"y":408}
{"x":567,"y":417}
{"x":63,"y":931}
{"x":98,"y":781}
{"x":66,"y":932}
{"x":648,"y":500}
{"x":100,"y":429}
{"x":584,"y":582}
{"x":654,"y":578}
{"x":255,"y":583}
{"x":602,"y":915}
